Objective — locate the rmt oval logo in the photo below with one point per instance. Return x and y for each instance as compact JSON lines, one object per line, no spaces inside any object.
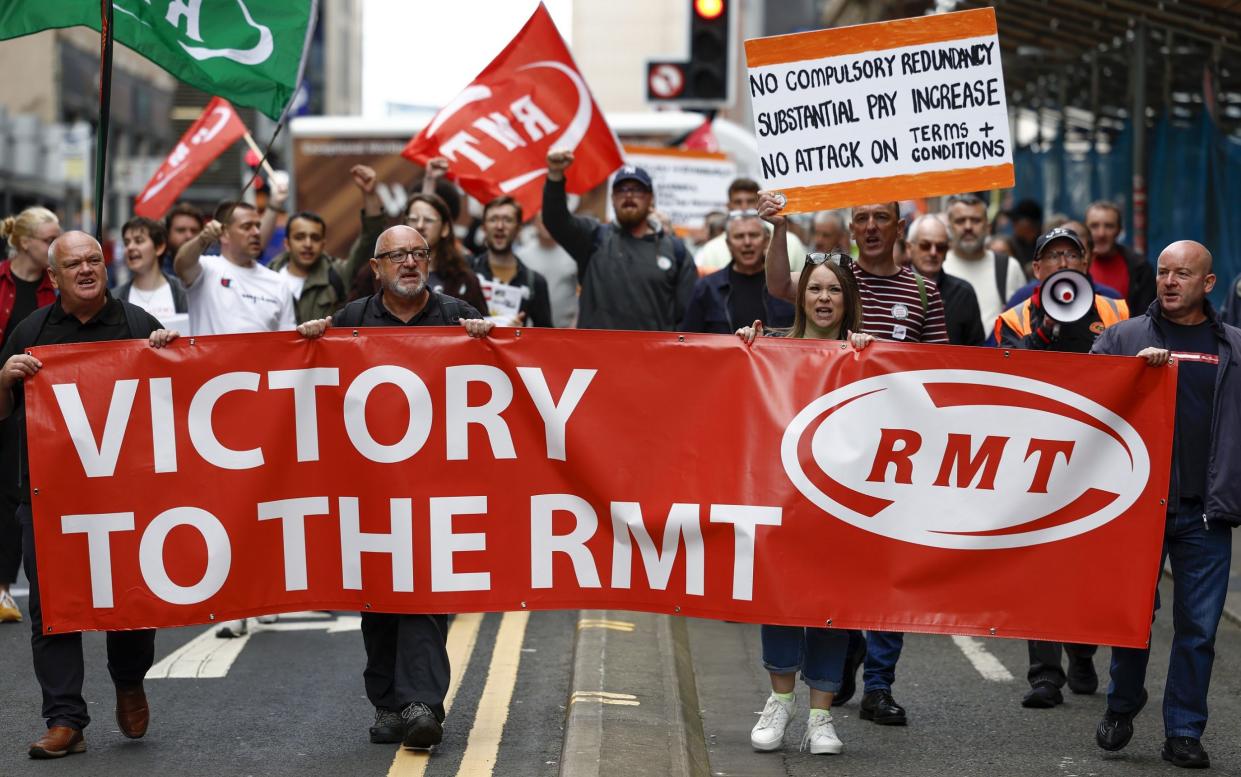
{"x":965,"y":459}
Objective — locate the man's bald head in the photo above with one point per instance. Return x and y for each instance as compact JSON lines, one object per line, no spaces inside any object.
{"x":1192,"y":252}
{"x":398,"y":235}
{"x":1183,"y":279}
{"x":71,"y":242}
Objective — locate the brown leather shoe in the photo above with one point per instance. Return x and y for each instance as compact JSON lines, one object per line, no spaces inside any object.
{"x":58,"y":742}
{"x":132,"y":713}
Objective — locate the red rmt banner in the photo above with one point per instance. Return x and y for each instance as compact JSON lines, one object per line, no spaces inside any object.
{"x":904,"y":487}
{"x":529,"y":100}
{"x":216,"y":129}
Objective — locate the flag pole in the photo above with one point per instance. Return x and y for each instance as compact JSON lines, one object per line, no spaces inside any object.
{"x":105,"y":111}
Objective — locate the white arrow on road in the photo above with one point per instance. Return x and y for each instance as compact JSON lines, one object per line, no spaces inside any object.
{"x":208,"y":656}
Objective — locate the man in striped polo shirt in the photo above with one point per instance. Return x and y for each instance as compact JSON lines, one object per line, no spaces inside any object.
{"x":897,"y":305}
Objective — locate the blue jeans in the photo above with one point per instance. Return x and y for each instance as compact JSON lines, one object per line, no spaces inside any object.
{"x":1201,"y":555}
{"x":883,"y":650}
{"x":818,"y":653}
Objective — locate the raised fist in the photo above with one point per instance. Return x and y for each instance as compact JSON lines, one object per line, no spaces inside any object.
{"x":558,"y":160}
{"x":363,"y":178}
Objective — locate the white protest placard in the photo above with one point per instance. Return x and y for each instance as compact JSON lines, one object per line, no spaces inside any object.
{"x":688,"y":184}
{"x":878,"y":112}
{"x":503,"y":301}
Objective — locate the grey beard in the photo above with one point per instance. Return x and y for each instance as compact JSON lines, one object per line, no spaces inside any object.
{"x":972,"y":246}
{"x":404,"y":291}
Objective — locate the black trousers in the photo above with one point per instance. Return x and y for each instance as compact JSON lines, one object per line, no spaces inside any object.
{"x":1045,"y":666}
{"x":406,"y":660}
{"x":58,"y":657}
{"x":10,"y":537}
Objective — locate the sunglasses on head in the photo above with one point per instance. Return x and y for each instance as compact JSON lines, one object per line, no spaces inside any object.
{"x":835,"y":257}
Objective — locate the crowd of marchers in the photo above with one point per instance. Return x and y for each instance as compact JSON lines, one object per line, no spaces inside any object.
{"x":971,"y":275}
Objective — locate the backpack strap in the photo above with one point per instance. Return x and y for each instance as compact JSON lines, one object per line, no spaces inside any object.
{"x":1001,"y":276}
{"x":926,"y":310}
{"x":338,"y":285}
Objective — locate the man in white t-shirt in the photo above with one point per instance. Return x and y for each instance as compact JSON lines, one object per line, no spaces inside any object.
{"x":971,"y":260}
{"x":232,"y":293}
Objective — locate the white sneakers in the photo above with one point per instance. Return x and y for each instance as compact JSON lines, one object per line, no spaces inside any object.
{"x":768,"y":733}
{"x":233,"y":629}
{"x":820,"y":735}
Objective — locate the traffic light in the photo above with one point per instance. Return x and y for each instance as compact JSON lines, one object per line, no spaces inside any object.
{"x":709,"y":47}
{"x":705,"y":80}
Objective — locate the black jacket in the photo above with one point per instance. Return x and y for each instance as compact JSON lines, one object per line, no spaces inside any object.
{"x":1141,"y":279}
{"x":536,"y":300}
{"x":628,"y":282}
{"x":709,"y":312}
{"x":1223,"y":497}
{"x":962,"y":315}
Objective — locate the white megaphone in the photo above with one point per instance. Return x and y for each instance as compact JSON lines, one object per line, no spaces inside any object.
{"x":1066,"y":295}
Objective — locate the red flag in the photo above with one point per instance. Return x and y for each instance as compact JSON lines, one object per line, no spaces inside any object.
{"x":529,"y":100}
{"x":217,"y":128}
{"x":702,"y":139}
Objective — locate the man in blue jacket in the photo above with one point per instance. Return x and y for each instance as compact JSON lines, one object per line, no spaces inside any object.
{"x":1204,"y":497}
{"x":736,"y":296}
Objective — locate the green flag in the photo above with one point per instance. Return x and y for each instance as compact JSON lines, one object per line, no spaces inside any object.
{"x":250,"y":52}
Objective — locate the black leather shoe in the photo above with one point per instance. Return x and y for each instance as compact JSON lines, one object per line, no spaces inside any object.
{"x":1081,"y":676}
{"x":422,"y":729}
{"x":1186,"y":752}
{"x":848,"y":682}
{"x":1116,"y":728}
{"x":389,"y":727}
{"x":882,"y":709}
{"x":1043,"y":696}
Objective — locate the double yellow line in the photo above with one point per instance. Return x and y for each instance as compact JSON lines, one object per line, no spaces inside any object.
{"x":483,"y":743}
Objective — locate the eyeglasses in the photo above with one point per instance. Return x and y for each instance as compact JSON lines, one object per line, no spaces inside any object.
{"x":631,"y":190}
{"x":835,"y":257}
{"x":748,"y":213}
{"x":927,"y":245}
{"x":401,"y":254}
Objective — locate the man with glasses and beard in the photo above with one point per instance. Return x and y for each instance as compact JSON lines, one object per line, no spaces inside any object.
{"x":498,"y":264}
{"x":407,"y":670}
{"x":634,"y":275}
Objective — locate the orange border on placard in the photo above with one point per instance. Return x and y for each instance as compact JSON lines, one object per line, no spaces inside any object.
{"x":839,"y":41}
{"x":803,"y":199}
{"x":677,"y":152}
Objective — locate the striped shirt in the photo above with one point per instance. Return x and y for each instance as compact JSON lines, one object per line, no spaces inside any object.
{"x":892,"y":308}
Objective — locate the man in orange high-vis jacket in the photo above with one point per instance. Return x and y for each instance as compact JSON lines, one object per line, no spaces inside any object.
{"x":1028,"y":326}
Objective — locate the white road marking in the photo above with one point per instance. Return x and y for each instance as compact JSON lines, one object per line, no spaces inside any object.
{"x":987,"y":665}
{"x":209,"y":657}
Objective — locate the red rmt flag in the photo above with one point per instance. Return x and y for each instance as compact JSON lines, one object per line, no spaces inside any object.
{"x":528,"y":101}
{"x":217,"y":128}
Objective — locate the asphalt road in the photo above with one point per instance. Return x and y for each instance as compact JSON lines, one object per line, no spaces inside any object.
{"x":292,"y":703}
{"x":960,"y":723}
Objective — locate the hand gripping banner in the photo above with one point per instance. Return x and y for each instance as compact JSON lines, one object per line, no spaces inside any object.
{"x":905,"y":487}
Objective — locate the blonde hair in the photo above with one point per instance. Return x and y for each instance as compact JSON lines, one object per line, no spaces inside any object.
{"x":23,"y":225}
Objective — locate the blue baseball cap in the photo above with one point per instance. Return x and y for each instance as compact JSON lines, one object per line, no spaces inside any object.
{"x":633,"y":173}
